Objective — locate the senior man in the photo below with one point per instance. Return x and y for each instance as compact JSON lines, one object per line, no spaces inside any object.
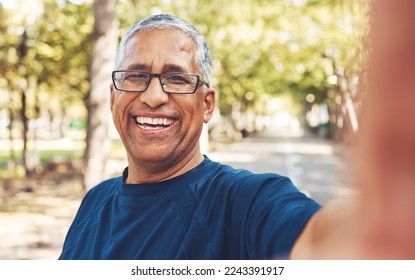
{"x":172,"y":202}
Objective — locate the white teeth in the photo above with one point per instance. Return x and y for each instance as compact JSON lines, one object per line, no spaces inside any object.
{"x":153,"y":121}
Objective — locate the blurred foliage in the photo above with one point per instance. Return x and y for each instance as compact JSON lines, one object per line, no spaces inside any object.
{"x":56,"y":54}
{"x":271,"y":47}
{"x":260,"y":48}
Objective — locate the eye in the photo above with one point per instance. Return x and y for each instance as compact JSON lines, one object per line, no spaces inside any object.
{"x":136,"y":77}
{"x":177,"y":79}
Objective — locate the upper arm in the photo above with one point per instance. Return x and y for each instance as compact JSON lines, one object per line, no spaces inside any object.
{"x":330,"y":233}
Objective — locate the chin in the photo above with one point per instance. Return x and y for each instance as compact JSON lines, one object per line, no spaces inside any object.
{"x":151,"y":155}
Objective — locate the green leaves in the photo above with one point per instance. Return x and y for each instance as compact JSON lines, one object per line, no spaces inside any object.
{"x":57,"y":51}
{"x":267,"y":48}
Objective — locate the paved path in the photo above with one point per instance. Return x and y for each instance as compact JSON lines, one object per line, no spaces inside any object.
{"x":33,"y":225}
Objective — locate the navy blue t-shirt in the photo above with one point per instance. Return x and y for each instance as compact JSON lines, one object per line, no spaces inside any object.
{"x":210,"y":212}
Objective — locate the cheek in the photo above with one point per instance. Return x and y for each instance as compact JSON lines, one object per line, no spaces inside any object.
{"x":195,"y":113}
{"x":197,"y":117}
{"x":115,"y":109}
{"x":119,"y":111}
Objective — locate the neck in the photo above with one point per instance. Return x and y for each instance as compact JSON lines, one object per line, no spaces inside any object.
{"x":151,"y":172}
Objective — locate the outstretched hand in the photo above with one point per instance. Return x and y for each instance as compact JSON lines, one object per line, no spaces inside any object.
{"x":380,"y":223}
{"x":386,"y":144}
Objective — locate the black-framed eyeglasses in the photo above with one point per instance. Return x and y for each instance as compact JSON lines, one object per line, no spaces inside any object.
{"x":171,"y":82}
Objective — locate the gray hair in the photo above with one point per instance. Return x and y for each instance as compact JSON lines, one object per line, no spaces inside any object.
{"x":163,"y":21}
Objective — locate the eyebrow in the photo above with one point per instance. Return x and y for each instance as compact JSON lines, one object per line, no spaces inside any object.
{"x":136,"y":66}
{"x":166,"y":68}
{"x":174,"y":68}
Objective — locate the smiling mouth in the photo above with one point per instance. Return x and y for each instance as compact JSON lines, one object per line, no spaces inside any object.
{"x":147,"y":123}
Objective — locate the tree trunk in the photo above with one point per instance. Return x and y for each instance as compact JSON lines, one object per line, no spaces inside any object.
{"x":104,"y":46}
{"x":22,"y":51}
{"x":25,"y":122}
{"x":12,"y":160}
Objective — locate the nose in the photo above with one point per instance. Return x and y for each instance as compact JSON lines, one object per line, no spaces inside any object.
{"x":154,"y":96}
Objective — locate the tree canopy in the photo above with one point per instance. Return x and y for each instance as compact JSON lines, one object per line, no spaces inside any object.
{"x":260,"y":49}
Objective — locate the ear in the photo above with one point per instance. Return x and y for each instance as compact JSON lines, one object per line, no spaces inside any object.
{"x":112,"y":96}
{"x":209,"y":103}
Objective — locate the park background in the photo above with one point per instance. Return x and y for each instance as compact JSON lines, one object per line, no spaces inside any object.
{"x":289,"y":76}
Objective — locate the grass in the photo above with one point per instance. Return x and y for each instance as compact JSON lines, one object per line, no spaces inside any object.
{"x":46,"y":156}
{"x":50,"y":156}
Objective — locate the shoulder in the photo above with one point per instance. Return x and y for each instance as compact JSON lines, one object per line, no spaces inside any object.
{"x":267,"y":206}
{"x":243,"y":187}
{"x":104,"y":188}
{"x":242,"y":180}
{"x":97,"y":197}
{"x":258,"y":192}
